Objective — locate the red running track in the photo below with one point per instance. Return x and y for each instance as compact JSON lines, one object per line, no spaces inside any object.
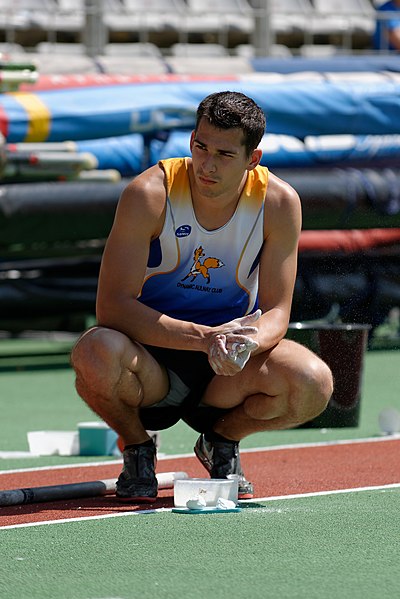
{"x":274,"y":471}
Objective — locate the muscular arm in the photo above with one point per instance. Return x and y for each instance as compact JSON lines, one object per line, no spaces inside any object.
{"x":278,"y":264}
{"x":277,"y":271}
{"x":139,"y":219}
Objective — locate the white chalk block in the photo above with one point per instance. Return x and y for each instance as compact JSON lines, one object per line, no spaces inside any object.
{"x":197,"y":503}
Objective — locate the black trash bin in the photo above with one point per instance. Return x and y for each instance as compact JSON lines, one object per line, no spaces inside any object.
{"x":342,"y":347}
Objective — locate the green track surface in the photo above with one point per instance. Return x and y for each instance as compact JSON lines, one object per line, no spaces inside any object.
{"x":336,"y":546}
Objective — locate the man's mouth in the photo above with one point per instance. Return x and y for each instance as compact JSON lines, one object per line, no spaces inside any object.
{"x":206,"y":180}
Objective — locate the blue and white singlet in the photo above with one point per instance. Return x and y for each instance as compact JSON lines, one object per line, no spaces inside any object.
{"x":207,"y":277}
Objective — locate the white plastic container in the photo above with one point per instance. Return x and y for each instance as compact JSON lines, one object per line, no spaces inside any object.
{"x":210,"y":489}
{"x":53,"y":442}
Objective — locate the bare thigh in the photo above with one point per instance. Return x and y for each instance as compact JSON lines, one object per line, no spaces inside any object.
{"x":275,"y":373}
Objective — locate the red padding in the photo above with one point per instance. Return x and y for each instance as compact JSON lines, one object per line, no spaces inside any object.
{"x":351,"y":241}
{"x":3,"y":122}
{"x":49,"y":82}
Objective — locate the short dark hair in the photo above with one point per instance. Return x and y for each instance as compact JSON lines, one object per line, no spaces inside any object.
{"x":228,"y":110}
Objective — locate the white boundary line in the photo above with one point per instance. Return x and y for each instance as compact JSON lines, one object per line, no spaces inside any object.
{"x":166,"y":510}
{"x":383,"y":438}
{"x":322,"y":493}
{"x":62,"y":466}
{"x":177,"y":456}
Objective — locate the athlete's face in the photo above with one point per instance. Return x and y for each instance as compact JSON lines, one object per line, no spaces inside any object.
{"x":219,"y":159}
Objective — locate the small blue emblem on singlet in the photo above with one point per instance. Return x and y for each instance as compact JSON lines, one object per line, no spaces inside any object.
{"x":183,"y":231}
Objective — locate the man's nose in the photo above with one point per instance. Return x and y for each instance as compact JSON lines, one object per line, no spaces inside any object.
{"x":209,"y":165}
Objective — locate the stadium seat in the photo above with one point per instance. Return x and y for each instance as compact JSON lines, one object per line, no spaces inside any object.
{"x":219,"y":17}
{"x":289,"y":16}
{"x":156,"y":15}
{"x":118,"y":18}
{"x":26,"y":14}
{"x":202,"y":65}
{"x":318,"y":50}
{"x":133,"y":49}
{"x":61,"y":48}
{"x":131,"y":65}
{"x":136,"y":58}
{"x":8,"y":49}
{"x":56,"y":64}
{"x":181,"y":49}
{"x":276,"y":50}
{"x":69,"y":16}
{"x":343,"y":17}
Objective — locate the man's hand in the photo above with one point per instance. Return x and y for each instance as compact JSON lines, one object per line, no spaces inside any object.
{"x":230,"y":348}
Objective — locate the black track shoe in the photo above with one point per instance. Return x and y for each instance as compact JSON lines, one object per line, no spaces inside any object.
{"x":137,"y":482}
{"x":222,"y":459}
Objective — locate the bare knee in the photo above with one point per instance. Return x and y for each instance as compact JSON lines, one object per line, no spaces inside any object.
{"x":97,"y":360}
{"x":96,"y":347}
{"x":303,"y":394}
{"x":313,"y":389}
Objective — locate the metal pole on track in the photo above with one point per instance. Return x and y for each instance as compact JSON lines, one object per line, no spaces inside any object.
{"x":96,"y":488}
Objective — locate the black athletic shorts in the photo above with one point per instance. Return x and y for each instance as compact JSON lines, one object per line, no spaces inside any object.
{"x":189,"y":373}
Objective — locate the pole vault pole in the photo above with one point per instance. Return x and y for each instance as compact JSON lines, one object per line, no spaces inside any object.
{"x":96,"y":488}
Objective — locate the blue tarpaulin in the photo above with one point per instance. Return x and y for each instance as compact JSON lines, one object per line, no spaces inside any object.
{"x":128,"y":154}
{"x":297,"y":108}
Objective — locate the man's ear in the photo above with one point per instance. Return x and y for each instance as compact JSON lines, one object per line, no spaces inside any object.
{"x":254,"y":159}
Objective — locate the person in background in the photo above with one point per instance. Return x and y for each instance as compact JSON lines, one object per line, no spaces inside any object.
{"x":193,"y":304}
{"x":387,"y":30}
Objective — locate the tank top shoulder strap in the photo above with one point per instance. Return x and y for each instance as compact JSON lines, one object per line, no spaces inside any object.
{"x":256,"y":185}
{"x":177,"y":176}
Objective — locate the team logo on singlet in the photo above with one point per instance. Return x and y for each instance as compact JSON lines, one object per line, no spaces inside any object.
{"x":202,"y":267}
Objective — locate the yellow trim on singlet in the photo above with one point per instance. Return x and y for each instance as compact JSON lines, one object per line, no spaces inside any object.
{"x":262,"y":177}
